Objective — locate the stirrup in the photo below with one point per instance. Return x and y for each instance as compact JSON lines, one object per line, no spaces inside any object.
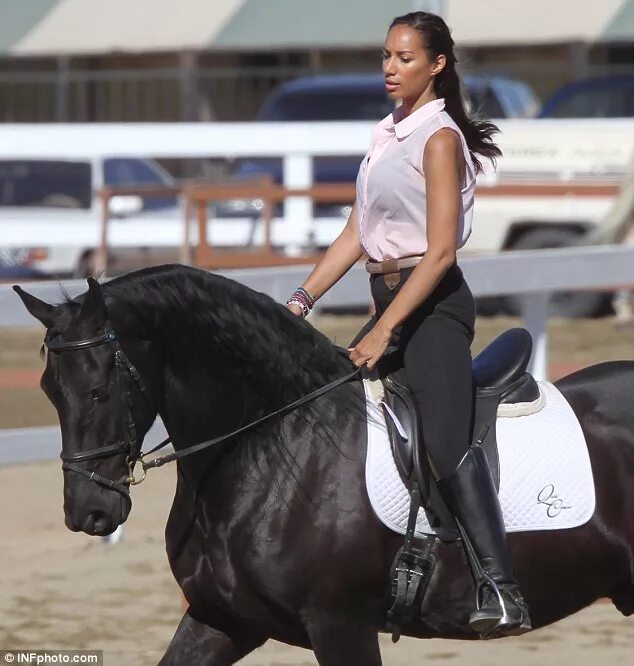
{"x":494,"y":624}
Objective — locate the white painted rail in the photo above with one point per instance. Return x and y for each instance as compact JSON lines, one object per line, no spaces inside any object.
{"x":544,"y":150}
{"x":24,"y":445}
{"x":532,"y":275}
{"x":521,"y":140}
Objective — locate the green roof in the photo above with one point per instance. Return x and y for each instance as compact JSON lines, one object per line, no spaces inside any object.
{"x":287,"y":24}
{"x":620,"y":28}
{"x":19,"y":17}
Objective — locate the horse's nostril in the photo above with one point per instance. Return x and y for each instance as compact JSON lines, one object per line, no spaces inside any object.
{"x":97,"y":523}
{"x":89,"y":524}
{"x":102,"y":523}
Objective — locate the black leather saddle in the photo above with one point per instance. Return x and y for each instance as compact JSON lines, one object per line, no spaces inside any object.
{"x":499,"y":376}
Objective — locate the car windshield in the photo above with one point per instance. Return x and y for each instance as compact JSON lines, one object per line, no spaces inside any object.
{"x":597,"y":102}
{"x":53,"y":184}
{"x":329,"y":105}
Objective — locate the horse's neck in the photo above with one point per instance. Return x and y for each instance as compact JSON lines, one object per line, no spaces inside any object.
{"x":299,"y":444}
{"x":194,"y":410}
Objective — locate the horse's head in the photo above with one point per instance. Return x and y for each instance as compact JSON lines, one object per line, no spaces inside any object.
{"x":95,"y":380}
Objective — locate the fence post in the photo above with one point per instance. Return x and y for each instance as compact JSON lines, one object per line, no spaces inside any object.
{"x":298,"y":211}
{"x":62,"y":82}
{"x":187,"y":75}
{"x":535,"y":313}
{"x":101,"y":255}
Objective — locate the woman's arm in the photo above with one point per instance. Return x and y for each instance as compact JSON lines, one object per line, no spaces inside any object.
{"x":443,"y":164}
{"x":344,"y":252}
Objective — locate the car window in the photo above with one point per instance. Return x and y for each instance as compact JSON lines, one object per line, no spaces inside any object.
{"x":527,"y":102}
{"x":329,"y":105}
{"x":45,"y":183}
{"x":121,"y":172}
{"x":484,"y":103}
{"x":512,"y":99}
{"x":597,"y":102}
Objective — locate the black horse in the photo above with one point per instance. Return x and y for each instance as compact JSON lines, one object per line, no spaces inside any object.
{"x":271,"y":534}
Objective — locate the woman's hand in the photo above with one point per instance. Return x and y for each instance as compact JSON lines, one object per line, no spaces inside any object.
{"x":371,"y":347}
{"x":295,"y":309}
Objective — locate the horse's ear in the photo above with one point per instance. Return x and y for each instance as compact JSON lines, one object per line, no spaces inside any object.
{"x":94,"y":305}
{"x":39,"y":309}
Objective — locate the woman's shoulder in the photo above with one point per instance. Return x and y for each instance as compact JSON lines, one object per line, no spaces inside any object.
{"x":443,"y":139}
{"x":440,"y":121}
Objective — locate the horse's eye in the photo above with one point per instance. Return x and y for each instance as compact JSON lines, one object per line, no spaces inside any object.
{"x":99,"y":395}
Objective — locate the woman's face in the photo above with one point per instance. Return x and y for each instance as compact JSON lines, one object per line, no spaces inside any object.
{"x":407,"y":65}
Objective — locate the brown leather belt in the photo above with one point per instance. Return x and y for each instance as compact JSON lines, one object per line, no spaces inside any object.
{"x":392,"y":265}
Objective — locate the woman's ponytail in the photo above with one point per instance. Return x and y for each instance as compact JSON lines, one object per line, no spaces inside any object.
{"x":437,"y":39}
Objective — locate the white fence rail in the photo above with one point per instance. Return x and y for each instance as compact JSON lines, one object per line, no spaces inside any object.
{"x":532,"y":275}
{"x":593,"y":150}
{"x":521,"y":140}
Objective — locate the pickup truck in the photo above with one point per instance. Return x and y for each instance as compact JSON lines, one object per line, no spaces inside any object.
{"x":39,"y":193}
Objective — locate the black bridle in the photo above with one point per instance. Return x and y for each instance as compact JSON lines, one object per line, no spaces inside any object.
{"x":127,"y":374}
{"x":127,"y":443}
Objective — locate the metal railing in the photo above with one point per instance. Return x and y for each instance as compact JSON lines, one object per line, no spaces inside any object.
{"x":180,"y":94}
{"x":135,"y":95}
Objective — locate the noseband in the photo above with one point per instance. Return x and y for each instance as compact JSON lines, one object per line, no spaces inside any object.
{"x":127,"y":442}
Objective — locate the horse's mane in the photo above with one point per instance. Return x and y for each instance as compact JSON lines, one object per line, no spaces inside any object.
{"x":199,"y":314}
{"x":206,"y":325}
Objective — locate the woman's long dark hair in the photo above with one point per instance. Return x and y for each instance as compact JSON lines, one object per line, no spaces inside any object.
{"x":438,"y":41}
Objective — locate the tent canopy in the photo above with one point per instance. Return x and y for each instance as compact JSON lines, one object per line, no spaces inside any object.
{"x":73,"y":27}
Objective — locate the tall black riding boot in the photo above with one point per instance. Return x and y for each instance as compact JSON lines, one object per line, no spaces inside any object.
{"x":471,"y":496}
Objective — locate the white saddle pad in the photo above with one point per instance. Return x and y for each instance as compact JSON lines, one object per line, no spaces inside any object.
{"x":545,"y":474}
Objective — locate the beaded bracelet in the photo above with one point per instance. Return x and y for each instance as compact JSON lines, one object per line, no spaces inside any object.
{"x":304,"y":308}
{"x":303,"y":292}
{"x":303,"y":300}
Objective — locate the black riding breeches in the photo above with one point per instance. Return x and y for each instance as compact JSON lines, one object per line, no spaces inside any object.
{"x":435,"y":342}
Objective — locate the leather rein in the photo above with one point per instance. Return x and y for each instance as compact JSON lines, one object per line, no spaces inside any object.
{"x":127,"y":375}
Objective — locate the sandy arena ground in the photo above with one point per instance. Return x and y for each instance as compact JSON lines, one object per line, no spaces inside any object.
{"x":69,"y":591}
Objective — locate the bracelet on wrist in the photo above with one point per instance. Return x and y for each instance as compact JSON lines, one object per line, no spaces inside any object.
{"x":302,"y":306}
{"x":303,"y":300}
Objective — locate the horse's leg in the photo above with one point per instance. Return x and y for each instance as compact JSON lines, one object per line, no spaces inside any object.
{"x":198,"y":644}
{"x":340,"y":642}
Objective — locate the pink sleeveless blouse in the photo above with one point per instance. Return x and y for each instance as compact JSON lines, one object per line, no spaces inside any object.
{"x":391,"y":199}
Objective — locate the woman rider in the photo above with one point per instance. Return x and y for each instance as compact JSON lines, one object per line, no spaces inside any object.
{"x":413,"y":210}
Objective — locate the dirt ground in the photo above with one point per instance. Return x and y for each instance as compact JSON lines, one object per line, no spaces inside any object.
{"x":69,"y":591}
{"x":64,"y":590}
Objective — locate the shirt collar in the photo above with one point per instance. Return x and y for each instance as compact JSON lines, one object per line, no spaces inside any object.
{"x":393,"y":124}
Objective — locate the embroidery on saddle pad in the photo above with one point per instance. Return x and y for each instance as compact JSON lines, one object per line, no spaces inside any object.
{"x":546,"y":479}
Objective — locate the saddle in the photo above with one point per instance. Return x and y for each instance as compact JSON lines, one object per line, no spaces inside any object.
{"x":501,"y":383}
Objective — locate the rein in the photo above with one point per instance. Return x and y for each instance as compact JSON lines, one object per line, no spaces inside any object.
{"x":126,"y":373}
{"x":159,"y":462}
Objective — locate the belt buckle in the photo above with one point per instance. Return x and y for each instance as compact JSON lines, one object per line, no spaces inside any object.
{"x":391,"y":280}
{"x":389,"y":266}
